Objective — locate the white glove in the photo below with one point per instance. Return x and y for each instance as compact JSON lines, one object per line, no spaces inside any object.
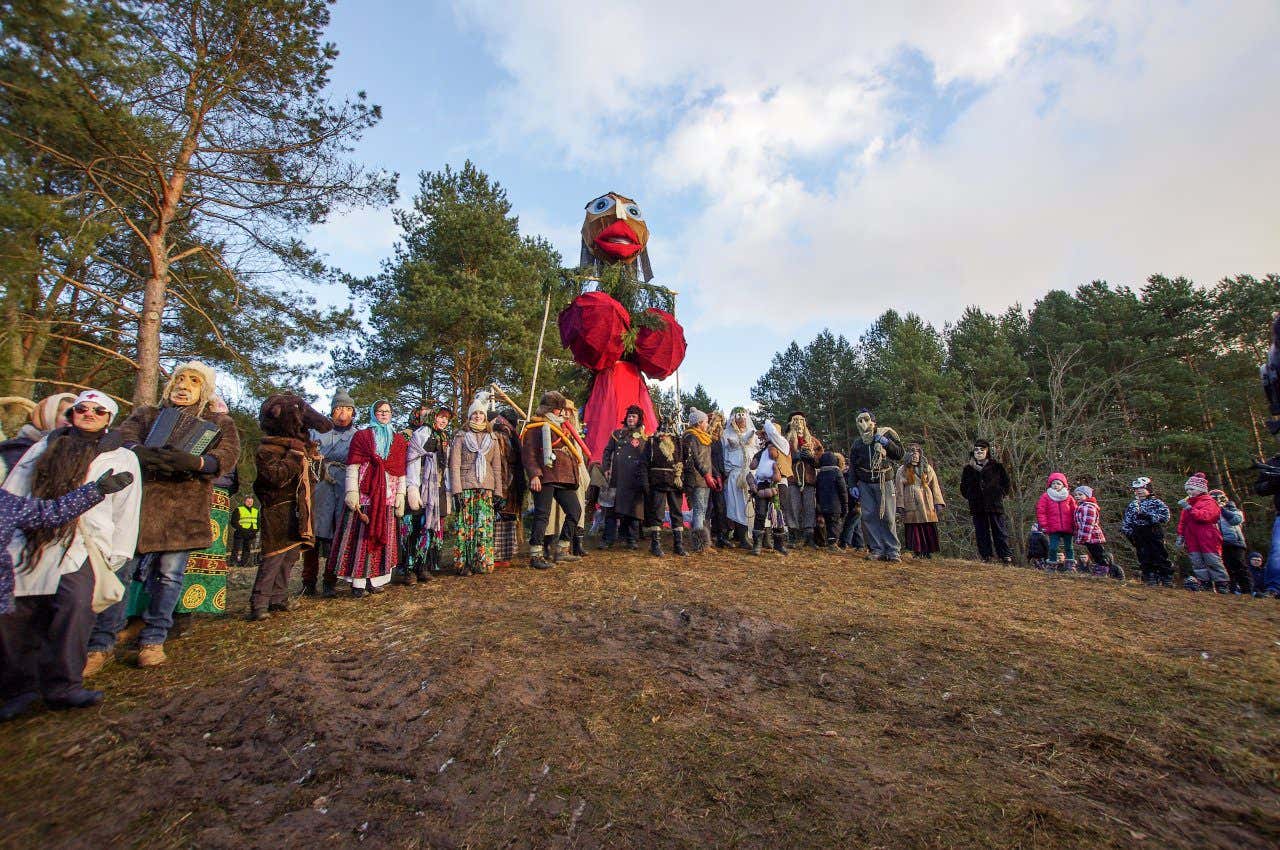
{"x":415,"y":500}
{"x":353,"y":487}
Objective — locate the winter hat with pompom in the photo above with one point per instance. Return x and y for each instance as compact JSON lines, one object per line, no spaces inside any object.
{"x":1197,"y":483}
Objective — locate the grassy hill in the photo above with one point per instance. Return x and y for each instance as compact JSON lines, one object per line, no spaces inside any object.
{"x":812,"y":701}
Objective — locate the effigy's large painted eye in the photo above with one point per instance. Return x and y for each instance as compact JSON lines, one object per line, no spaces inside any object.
{"x":600,"y":205}
{"x":633,"y":211}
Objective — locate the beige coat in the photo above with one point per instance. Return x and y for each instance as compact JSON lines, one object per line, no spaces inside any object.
{"x":917,"y":497}
{"x":462,"y":465}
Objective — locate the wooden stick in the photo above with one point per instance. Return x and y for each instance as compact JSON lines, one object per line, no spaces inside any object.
{"x":69,"y":384}
{"x":546,"y":313}
{"x":498,"y":391}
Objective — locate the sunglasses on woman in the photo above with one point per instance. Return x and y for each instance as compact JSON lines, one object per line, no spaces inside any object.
{"x":85,"y":410}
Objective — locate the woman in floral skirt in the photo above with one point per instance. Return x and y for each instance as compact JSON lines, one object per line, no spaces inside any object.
{"x":476,"y":466}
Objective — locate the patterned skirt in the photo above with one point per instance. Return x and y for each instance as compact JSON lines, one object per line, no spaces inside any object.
{"x":357,"y":559}
{"x":506,"y":539}
{"x":473,"y":548}
{"x":204,"y":585}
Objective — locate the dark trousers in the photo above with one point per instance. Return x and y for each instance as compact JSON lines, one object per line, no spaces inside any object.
{"x":831,"y":527}
{"x":620,"y":526}
{"x":271,"y":587}
{"x":763,"y":507}
{"x":311,"y":565}
{"x":715,"y":514}
{"x":655,"y":502}
{"x":851,"y":534}
{"x":1153,"y":557}
{"x":241,"y":546}
{"x":1233,"y":560}
{"x":992,"y":534}
{"x":44,"y":642}
{"x":564,"y":496}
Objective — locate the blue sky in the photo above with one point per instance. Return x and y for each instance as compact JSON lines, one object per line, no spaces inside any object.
{"x":811,"y":165}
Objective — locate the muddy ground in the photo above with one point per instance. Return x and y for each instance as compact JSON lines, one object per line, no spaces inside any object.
{"x":816,"y":701}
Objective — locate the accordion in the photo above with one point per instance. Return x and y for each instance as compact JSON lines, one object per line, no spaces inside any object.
{"x":175,"y":429}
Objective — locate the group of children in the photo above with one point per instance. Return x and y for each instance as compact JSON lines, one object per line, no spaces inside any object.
{"x":1210,"y":531}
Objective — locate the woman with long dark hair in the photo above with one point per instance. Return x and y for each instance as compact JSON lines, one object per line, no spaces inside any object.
{"x":44,"y":642}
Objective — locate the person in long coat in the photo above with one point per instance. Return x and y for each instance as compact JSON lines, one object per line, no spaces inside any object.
{"x":716,"y":513}
{"x":740,"y":445}
{"x":919,"y":502}
{"x":984,"y":483}
{"x":623,"y":463}
{"x":330,"y":491}
{"x":365,"y":550}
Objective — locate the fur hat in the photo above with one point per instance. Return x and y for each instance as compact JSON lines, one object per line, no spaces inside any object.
{"x":697,"y":417}
{"x":1083,"y":492}
{"x":637,"y":410}
{"x":1197,"y":483}
{"x":100,"y":399}
{"x":551,"y":400}
{"x":342,"y":399}
{"x":207,"y":380}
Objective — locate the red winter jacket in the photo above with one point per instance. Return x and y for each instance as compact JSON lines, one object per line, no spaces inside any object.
{"x":1056,"y":517}
{"x":1198,"y":525}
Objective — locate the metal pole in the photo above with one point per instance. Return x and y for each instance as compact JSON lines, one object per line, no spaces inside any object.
{"x":537,"y":361}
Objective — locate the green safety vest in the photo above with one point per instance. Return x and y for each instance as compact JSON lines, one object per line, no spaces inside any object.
{"x":247,"y":518}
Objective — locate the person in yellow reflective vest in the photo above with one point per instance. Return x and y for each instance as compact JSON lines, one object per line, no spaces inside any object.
{"x":245,"y":525}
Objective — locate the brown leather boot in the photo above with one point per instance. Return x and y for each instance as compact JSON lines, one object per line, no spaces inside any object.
{"x":95,"y":662}
{"x":151,"y":655}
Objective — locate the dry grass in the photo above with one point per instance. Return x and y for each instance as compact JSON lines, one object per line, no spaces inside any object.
{"x":816,"y":701}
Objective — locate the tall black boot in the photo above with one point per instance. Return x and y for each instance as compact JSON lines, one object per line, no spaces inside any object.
{"x":677,"y":542}
{"x":756,"y":542}
{"x":780,"y":541}
{"x":695,"y":540}
{"x":577,"y":549}
{"x":655,"y":545}
{"x":741,"y":532}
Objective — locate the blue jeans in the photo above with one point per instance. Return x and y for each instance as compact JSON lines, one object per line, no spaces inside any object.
{"x":698,"y":498}
{"x":162,"y":573}
{"x":1271,"y":574}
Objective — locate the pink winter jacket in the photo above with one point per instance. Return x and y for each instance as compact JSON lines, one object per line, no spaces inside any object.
{"x":1198,"y":525}
{"x":1056,"y":517}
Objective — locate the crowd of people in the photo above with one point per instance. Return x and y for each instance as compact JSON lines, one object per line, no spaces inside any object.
{"x":111,"y":534}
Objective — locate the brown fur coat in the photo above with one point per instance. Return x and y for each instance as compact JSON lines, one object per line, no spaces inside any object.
{"x":175,"y":509}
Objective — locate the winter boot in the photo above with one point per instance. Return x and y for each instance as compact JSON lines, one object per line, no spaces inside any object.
{"x":1100,"y":570}
{"x":1222,"y":587}
{"x":577,"y":548}
{"x":399,"y":576}
{"x":756,"y":542}
{"x":743,"y":541}
{"x":328,"y":591}
{"x":707,"y":545}
{"x":151,"y":655}
{"x":780,"y":542}
{"x":655,"y":544}
{"x":536,"y":561}
{"x":79,"y":698}
{"x":696,"y":544}
{"x":677,"y":542}
{"x":309,"y":589}
{"x":565,"y":554}
{"x":1193,"y":584}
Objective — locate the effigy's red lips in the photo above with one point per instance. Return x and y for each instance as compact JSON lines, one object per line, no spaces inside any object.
{"x":618,"y":241}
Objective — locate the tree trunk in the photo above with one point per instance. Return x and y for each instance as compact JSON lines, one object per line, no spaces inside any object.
{"x":153,"y":300}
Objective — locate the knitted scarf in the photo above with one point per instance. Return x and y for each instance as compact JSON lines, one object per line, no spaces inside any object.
{"x":702,"y":436}
{"x":1057,"y":495}
{"x":479,"y":441}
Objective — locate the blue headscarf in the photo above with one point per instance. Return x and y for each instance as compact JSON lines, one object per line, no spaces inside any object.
{"x":382,"y":434}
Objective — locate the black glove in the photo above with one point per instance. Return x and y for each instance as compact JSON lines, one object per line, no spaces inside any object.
{"x":151,"y":460}
{"x":113,"y":482}
{"x":180,"y":461}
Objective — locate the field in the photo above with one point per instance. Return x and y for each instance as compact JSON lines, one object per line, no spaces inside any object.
{"x":722,"y":701}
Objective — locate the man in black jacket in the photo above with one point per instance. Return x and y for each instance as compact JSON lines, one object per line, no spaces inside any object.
{"x":984,"y":483}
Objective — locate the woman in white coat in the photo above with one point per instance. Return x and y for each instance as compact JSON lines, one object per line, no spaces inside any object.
{"x":43,"y":643}
{"x":740,"y":446}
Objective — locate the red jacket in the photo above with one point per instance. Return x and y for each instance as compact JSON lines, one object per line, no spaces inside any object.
{"x":1088,"y":525}
{"x":1198,"y":525}
{"x":1056,"y":517}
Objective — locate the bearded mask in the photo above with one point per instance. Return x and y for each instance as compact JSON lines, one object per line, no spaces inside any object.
{"x":614,"y":232}
{"x":866,"y":426}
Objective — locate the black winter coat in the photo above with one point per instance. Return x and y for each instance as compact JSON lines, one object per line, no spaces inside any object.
{"x":985,"y":488}
{"x":1037,"y":545}
{"x":833,"y":491}
{"x":1266,"y":488}
{"x":623,"y":462}
{"x":662,"y":473}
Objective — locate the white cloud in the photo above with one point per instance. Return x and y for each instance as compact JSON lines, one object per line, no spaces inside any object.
{"x":1101,"y":142}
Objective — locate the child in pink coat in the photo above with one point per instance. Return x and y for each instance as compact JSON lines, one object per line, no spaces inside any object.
{"x":1199,"y":534}
{"x":1055,"y":512}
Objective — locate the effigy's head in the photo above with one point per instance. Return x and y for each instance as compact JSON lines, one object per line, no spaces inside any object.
{"x":614,"y":230}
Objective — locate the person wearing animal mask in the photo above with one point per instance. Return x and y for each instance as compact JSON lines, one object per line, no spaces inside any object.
{"x":871,"y":458}
{"x":289,"y":467}
{"x":801,"y":494}
{"x":177,"y":499}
